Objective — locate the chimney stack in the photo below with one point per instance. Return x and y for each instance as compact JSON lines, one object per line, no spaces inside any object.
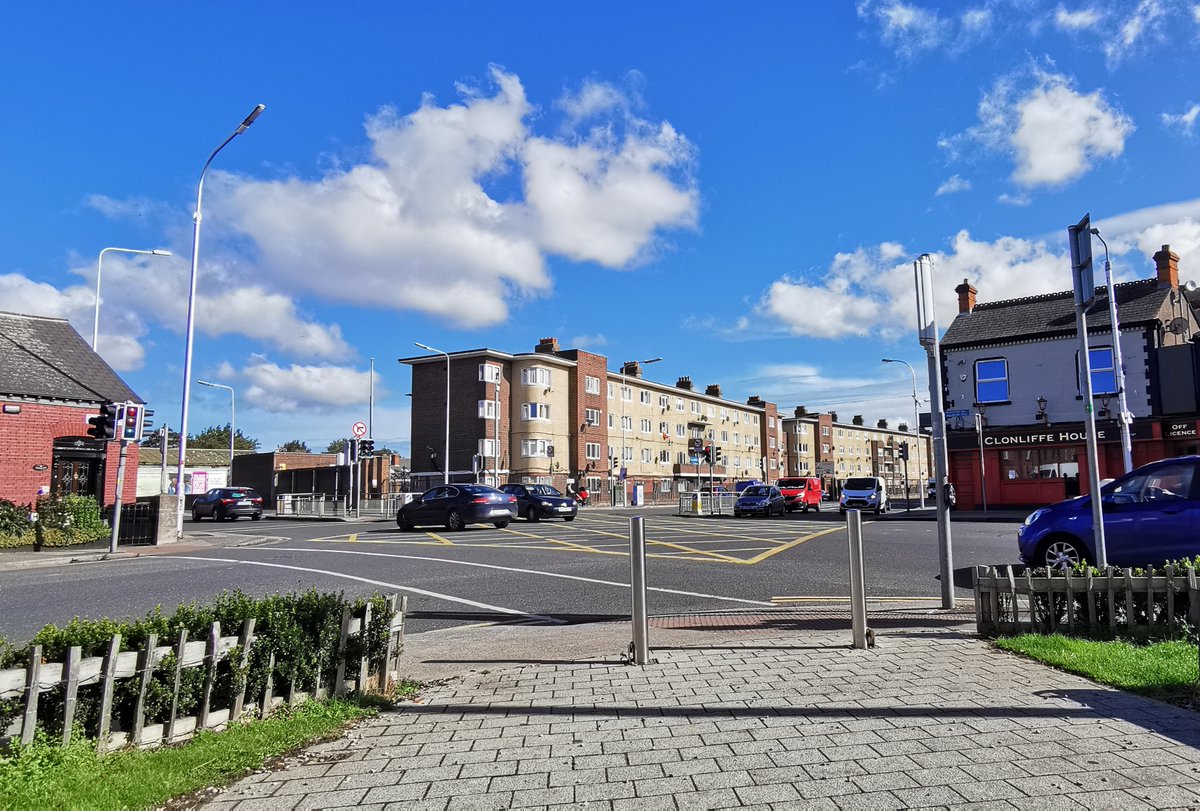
{"x":755,"y":400}
{"x":684,"y":382}
{"x":801,"y":411}
{"x":881,"y":424}
{"x":1167,"y":262}
{"x":966,"y":296}
{"x":632,"y":369}
{"x":713,"y":390}
{"x":547,"y":346}
{"x":857,"y":419}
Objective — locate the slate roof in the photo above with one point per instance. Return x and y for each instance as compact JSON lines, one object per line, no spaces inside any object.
{"x":196,"y":457}
{"x":1140,"y":302}
{"x":46,"y":358}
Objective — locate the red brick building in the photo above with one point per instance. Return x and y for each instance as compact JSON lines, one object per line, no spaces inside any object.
{"x":50,"y":383}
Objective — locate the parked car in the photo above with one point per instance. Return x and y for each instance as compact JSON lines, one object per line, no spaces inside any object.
{"x":538,"y":501}
{"x":456,"y":505}
{"x":1150,"y":515}
{"x":864,"y":493}
{"x":803,"y":493}
{"x":742,"y":485}
{"x":220,"y":503}
{"x":759,"y":499}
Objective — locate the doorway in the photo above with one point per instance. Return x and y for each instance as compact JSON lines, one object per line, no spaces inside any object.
{"x":78,"y":468}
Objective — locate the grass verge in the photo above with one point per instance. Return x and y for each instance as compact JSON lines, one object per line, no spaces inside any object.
{"x":45,"y":775}
{"x":1166,"y":670}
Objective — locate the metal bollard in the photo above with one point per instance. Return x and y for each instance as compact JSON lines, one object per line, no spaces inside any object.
{"x":639,"y":648}
{"x":858,"y":596}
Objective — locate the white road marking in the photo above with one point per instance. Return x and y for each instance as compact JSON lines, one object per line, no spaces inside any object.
{"x":423,"y":592}
{"x":503,"y":569}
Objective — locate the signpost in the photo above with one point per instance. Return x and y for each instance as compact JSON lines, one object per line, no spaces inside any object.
{"x":359,"y":429}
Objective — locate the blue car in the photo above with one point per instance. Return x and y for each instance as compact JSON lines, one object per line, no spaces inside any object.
{"x":759,"y":499}
{"x":1150,"y":516}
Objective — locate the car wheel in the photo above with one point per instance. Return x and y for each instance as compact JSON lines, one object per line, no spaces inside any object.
{"x":500,"y":524}
{"x":568,"y":518}
{"x":531,"y":514}
{"x":1062,"y":552}
{"x":218,"y":514}
{"x":404,"y":522}
{"x":195,"y":515}
{"x":817,"y":507}
{"x":454,"y":521}
{"x":256,"y":517}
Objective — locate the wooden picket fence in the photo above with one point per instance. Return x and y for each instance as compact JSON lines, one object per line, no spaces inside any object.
{"x":1115,"y":600}
{"x":39,"y":677}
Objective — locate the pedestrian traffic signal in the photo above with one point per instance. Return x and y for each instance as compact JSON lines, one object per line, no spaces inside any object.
{"x":708,"y":454}
{"x":104,"y":425}
{"x":366,"y":447}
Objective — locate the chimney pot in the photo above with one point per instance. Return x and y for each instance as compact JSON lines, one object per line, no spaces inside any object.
{"x":857,"y":419}
{"x":966,"y":296}
{"x":548,"y":346}
{"x":684,"y":382}
{"x":713,"y":390}
{"x":1167,"y":263}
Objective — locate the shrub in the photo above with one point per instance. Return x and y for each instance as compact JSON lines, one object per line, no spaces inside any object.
{"x":301,"y":629}
{"x":14,"y":524}
{"x":66,"y":521}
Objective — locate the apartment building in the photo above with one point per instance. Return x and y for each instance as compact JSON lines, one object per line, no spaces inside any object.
{"x":1015,"y":364}
{"x":562,"y":417}
{"x":820,"y":445}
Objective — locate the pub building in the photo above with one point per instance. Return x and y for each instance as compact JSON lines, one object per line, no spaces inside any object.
{"x":1013,"y":367}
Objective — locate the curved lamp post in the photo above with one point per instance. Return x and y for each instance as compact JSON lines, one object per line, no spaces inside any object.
{"x":191,"y":316}
{"x":99,"y":266}
{"x":446,"y":458}
{"x":232,"y":421}
{"x":916,"y":425}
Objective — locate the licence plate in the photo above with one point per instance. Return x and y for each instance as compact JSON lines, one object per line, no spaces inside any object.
{"x":563,"y":509}
{"x":500,"y":511}
{"x":244,"y":503}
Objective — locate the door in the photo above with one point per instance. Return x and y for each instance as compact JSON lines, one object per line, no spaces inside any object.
{"x":1153,"y":517}
{"x":77,"y":467}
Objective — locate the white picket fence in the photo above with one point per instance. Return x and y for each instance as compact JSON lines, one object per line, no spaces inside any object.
{"x":38,"y":677}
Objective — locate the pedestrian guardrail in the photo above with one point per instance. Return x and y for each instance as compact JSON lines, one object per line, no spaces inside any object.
{"x":706,"y":503}
{"x":317,"y":505}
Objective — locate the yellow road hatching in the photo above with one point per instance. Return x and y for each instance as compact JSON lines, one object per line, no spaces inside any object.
{"x":763,"y":548}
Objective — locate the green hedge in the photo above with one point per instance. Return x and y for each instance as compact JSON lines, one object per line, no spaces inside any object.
{"x":301,"y":629}
{"x":65,"y":521}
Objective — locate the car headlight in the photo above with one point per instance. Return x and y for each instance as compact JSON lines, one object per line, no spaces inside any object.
{"x":1033,"y":516}
{"x":872,"y":497}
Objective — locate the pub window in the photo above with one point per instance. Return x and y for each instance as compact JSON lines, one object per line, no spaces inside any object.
{"x":1104,"y":371}
{"x":991,"y":381}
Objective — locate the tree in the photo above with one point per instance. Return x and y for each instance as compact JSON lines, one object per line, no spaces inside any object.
{"x":337,"y":446}
{"x":217,"y":437}
{"x":295,"y":446}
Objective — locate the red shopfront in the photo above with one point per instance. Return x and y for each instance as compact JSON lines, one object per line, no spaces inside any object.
{"x":1031,"y":466}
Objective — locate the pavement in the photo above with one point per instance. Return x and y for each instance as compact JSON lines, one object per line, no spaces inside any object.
{"x":24,"y":557}
{"x":762,"y":709}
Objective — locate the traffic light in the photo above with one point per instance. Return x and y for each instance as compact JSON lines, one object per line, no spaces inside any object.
{"x":104,"y":424}
{"x":131,"y":423}
{"x":904,"y":451}
{"x":147,"y":423}
{"x":717,"y":455}
{"x":615,"y":464}
{"x":708,"y":454}
{"x":366,"y":447}
{"x":352,"y":450}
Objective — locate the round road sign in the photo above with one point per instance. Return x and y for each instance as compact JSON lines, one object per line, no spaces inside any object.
{"x":359,"y":429}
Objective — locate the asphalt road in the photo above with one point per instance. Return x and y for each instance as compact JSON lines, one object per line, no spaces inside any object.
{"x":550,"y":571}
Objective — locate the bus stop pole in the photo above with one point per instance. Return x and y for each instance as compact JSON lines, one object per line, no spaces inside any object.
{"x":858,"y":596}
{"x":640,"y":646}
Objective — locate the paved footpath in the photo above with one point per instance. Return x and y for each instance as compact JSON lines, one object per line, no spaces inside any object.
{"x":931,"y":717}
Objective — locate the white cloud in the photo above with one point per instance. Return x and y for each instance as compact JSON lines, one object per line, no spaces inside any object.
{"x":953,"y":184}
{"x":1183,"y":122}
{"x":416,"y":229}
{"x":133,"y":208}
{"x":1054,"y":133}
{"x":594,"y":98}
{"x":589,"y":341}
{"x":909,"y":29}
{"x":1144,"y":22}
{"x":870,"y":291}
{"x":295,"y":388}
{"x":1021,"y":199}
{"x":1081,"y":19}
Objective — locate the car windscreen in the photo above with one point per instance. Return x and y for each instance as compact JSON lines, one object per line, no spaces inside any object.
{"x":543,"y":490}
{"x":757,"y":491}
{"x":242,"y":494}
{"x":859,"y":484}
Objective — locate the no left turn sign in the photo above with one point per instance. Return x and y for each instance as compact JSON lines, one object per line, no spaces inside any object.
{"x":359,"y":429}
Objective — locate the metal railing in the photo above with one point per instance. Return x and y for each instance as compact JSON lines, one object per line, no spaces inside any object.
{"x":709,"y":503}
{"x":317,"y":505}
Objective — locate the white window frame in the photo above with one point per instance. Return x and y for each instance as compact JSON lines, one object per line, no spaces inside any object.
{"x":647,"y":427}
{"x":591,"y":385}
{"x":536,"y":376}
{"x":611,"y":389}
{"x":488,"y":409}
{"x":627,"y":394}
{"x":534,"y":448}
{"x":647,"y":456}
{"x":627,"y":424}
{"x":539,"y":412}
{"x":664,"y":402}
{"x":679,"y":404}
{"x":680,"y":430}
{"x":591,"y":416}
{"x":644,"y":397}
{"x":489,"y":373}
{"x":487,"y":448}
{"x":591,"y":450}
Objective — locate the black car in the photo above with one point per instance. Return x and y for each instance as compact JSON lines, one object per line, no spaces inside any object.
{"x":538,"y":501}
{"x":227,"y":502}
{"x":456,"y":505}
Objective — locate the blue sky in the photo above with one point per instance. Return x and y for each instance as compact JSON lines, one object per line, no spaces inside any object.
{"x":737,"y":188}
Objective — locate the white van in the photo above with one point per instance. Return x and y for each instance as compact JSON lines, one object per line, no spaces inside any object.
{"x":864,"y":493}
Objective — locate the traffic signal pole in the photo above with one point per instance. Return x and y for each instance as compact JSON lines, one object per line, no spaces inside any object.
{"x":116,"y":519}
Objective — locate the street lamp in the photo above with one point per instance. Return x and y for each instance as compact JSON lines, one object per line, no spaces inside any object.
{"x":232,"y":421}
{"x":191,"y":314}
{"x":916,"y":422}
{"x":1118,"y":361}
{"x":446,"y":458}
{"x":99,"y":265}
{"x":624,"y":382}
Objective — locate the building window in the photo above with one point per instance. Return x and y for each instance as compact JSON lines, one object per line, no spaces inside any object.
{"x":770,"y":422}
{"x":664,"y":402}
{"x":664,"y":457}
{"x":991,"y":381}
{"x":488,"y":409}
{"x":627,"y":394}
{"x":1104,"y":370}
{"x":610,"y":421}
{"x":591,"y":416}
{"x":647,"y":427}
{"x":678,"y":404}
{"x":644,"y":397}
{"x":535,"y":376}
{"x":824,"y":447}
{"x":535,"y":411}
{"x":680,"y":430}
{"x":772,"y":442}
{"x":627,"y":454}
{"x":724,"y":436}
{"x":610,"y":391}
{"x":487,"y":447}
{"x":695,"y":407}
{"x":591,"y":384}
{"x":534,"y":447}
{"x":664,"y":428}
{"x":772,"y":464}
{"x":591,"y":450}
{"x":489,"y":373}
{"x":647,"y":455}
{"x":824,"y":430}
{"x":626,"y":423}
{"x":710,"y":411}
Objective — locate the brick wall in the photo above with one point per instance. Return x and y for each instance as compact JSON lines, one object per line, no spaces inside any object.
{"x":588,"y":365}
{"x":27,"y":439}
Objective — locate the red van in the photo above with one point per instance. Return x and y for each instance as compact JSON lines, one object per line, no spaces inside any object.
{"x":801,"y":493}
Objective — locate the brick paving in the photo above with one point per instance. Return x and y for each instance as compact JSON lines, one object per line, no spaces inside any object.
{"x":930,"y":717}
